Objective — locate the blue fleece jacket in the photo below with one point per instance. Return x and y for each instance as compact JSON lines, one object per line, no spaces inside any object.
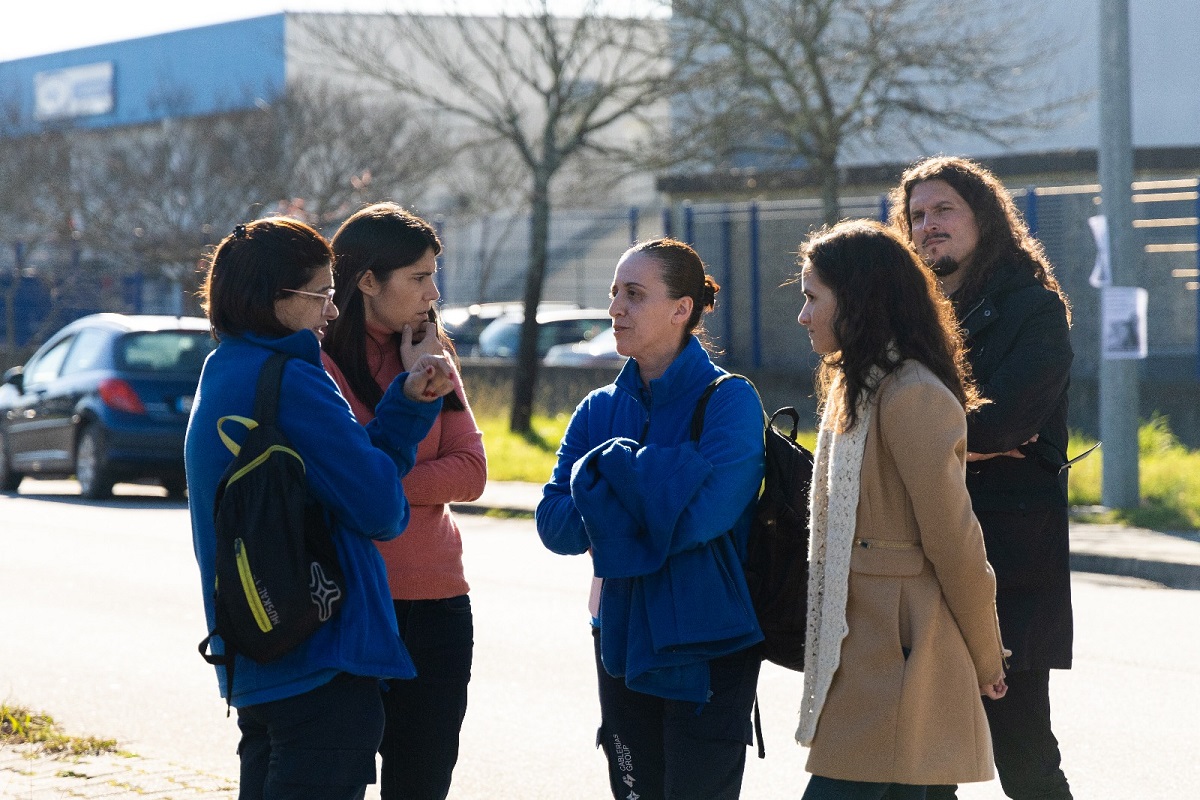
{"x":354,"y":471}
{"x":666,"y":520}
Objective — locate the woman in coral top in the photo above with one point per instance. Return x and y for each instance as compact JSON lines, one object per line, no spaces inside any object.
{"x":385,"y":293}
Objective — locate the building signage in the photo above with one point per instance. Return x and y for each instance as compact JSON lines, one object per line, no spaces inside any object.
{"x":73,"y":92}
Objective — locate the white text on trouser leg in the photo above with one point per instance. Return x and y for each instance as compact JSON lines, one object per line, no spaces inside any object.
{"x":625,"y":764}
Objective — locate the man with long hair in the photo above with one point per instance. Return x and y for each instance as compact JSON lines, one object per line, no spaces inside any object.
{"x":1016,"y":318}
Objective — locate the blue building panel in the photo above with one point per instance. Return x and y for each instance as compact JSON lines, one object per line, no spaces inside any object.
{"x":200,"y":71}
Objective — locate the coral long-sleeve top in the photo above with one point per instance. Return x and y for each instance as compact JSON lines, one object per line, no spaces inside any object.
{"x":425,"y":562}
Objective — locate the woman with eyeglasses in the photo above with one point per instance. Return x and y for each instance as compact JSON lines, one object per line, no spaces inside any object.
{"x":384,"y":271}
{"x":311,"y":720}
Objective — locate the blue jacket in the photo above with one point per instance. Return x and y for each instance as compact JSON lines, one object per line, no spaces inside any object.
{"x":354,"y":472}
{"x":666,"y":520}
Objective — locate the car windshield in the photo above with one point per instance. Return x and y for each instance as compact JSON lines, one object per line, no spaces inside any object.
{"x":163,"y":351}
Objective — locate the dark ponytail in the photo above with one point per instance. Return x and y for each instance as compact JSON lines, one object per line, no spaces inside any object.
{"x":684,"y":274}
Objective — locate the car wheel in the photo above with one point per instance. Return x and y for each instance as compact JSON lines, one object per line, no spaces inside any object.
{"x":95,"y":482}
{"x":176,"y":487}
{"x":9,"y":478}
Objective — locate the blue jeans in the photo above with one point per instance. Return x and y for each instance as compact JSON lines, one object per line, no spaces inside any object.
{"x":425,"y":714}
{"x":318,"y":744}
{"x":822,"y":788}
{"x":670,"y":750}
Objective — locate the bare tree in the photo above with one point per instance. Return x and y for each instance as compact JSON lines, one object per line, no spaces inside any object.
{"x":39,"y":219}
{"x":21,"y":175}
{"x":154,"y":198}
{"x":485,"y":188}
{"x":798,"y":82}
{"x":485,"y":185}
{"x":337,"y":150}
{"x":550,"y":88}
{"x":159,"y":196}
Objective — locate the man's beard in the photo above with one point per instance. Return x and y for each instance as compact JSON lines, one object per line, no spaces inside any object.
{"x":946,"y":265}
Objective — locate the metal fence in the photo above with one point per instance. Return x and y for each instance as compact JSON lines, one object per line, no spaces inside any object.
{"x":750,"y":249}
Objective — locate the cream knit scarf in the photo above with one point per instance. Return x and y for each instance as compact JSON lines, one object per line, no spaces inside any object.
{"x":833,"y":507}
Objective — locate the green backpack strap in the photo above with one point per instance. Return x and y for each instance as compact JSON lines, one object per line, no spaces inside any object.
{"x":266,"y":408}
{"x":228,"y":441}
{"x":266,"y":401}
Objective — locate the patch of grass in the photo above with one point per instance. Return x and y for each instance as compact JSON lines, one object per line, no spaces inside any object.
{"x":19,"y":725}
{"x":1083,"y":487}
{"x":1168,"y":473}
{"x":508,"y":513}
{"x":808,"y":439}
{"x":512,"y":457}
{"x":1168,"y":481}
{"x":515,"y":457}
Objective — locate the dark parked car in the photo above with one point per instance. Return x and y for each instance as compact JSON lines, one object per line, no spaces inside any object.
{"x":465,"y":323}
{"x":555,"y":326}
{"x":105,"y":399}
{"x":599,"y":351}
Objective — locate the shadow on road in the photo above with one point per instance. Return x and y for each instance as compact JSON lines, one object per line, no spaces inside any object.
{"x":125,"y":495}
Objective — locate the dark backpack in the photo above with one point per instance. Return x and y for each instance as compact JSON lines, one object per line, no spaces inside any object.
{"x":277,"y":572}
{"x":777,"y":551}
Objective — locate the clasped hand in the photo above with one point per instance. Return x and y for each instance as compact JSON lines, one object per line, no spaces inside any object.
{"x":1014,"y":453}
{"x":430,"y":374}
{"x":994,"y":690}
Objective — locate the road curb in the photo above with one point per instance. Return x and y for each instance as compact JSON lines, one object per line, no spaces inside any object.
{"x":480,"y":510}
{"x":1168,"y":573}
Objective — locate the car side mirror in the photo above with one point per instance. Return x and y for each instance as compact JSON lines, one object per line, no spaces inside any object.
{"x":16,"y":376}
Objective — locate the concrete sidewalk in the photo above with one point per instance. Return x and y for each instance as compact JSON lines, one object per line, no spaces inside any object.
{"x":1172,"y":559}
{"x":26,"y":774}
{"x":1169,"y":559}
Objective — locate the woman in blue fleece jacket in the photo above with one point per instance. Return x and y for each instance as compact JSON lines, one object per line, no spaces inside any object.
{"x":311,"y":720}
{"x":665,"y":520}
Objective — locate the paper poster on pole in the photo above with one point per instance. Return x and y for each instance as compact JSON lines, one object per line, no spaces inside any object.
{"x":1123,"y":322}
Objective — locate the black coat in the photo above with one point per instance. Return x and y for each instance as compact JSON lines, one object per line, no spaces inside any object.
{"x":1019,"y":346}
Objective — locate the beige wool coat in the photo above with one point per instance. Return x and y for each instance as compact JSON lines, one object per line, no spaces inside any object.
{"x":904,"y":703}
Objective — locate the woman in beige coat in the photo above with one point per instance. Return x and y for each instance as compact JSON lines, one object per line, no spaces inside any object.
{"x":902,"y":630}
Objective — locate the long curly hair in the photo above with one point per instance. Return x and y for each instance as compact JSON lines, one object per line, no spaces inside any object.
{"x":889,"y":309}
{"x":1004,"y":238}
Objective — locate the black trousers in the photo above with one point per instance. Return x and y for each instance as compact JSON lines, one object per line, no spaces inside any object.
{"x":670,"y":750}
{"x":1026,"y":752}
{"x":425,"y":714}
{"x":318,"y":744}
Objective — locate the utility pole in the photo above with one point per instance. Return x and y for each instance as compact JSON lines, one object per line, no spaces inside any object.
{"x":1118,"y":378}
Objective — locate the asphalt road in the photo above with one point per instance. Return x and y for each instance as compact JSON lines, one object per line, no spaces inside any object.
{"x":100,"y":616}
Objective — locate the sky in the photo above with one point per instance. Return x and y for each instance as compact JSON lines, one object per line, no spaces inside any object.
{"x":35,"y":27}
